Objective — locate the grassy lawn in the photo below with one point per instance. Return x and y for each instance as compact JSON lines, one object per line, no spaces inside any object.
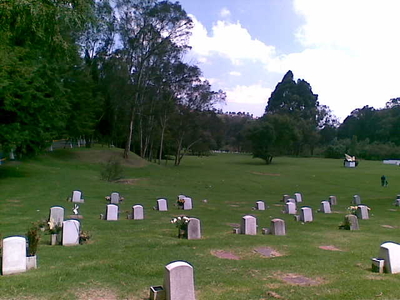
{"x":124,"y":258}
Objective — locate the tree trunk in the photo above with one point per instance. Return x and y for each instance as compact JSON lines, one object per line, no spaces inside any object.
{"x":129,"y":137}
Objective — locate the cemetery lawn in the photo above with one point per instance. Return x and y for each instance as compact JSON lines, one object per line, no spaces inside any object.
{"x":124,"y":258}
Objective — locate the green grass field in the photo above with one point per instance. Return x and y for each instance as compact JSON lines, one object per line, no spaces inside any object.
{"x":124,"y":258}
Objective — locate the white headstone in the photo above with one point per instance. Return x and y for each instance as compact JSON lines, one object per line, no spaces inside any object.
{"x":306,"y":214}
{"x":291,"y":200}
{"x":187,"y":205}
{"x":390,"y":252}
{"x":332,"y":200}
{"x":325,"y":207}
{"x":298,"y":197}
{"x":397,"y":202}
{"x":112,"y":212}
{"x":57,"y":215}
{"x":194,"y":229}
{"x":249,"y":225}
{"x":162,"y":205}
{"x":285,"y":197}
{"x":179,"y":281}
{"x":356,"y":200}
{"x":14,"y":255}
{"x":77,"y":196}
{"x":114,"y":198}
{"x":260,"y":205}
{"x":71,"y":230}
{"x":278,"y":227}
{"x":137,"y":212}
{"x":290,"y":208}
{"x":362,"y":212}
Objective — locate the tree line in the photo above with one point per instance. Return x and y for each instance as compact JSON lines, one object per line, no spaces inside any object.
{"x":114,"y":72}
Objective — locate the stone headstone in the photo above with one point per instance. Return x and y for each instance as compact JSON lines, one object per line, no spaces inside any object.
{"x":77,"y":197}
{"x":333,"y":200}
{"x":306,"y":214}
{"x":390,"y":253}
{"x":378,"y":265}
{"x":325,"y":207}
{"x":278,"y":227}
{"x":187,"y":205}
{"x":114,"y":198}
{"x":356,"y":200}
{"x":284,"y":198}
{"x":248,"y":225}
{"x":362,"y":212}
{"x":137,"y":212}
{"x":298,"y":197}
{"x":179,"y":281}
{"x":14,"y":255}
{"x":260,"y":205}
{"x":112,"y":212}
{"x":290,"y":208}
{"x":162,"y":205}
{"x":194,"y":229}
{"x":57,"y":215}
{"x":352,"y":221}
{"x":397,"y":202}
{"x":291,"y":200}
{"x":70,"y":235}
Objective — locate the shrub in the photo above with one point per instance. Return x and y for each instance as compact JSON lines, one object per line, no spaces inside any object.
{"x":112,"y":170}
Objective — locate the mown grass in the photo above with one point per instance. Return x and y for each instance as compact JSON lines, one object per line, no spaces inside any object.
{"x":123,"y":259}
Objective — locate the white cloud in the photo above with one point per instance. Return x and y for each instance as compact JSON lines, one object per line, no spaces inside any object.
{"x":351,"y":52}
{"x":229,"y":40}
{"x":224,"y":12}
{"x":252,"y":94}
{"x":235,"y":73}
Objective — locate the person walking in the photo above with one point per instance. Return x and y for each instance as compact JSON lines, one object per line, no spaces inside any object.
{"x":384,"y":181}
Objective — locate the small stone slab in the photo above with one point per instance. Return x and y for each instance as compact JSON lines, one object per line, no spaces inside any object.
{"x":296,"y":279}
{"x":388,"y":226}
{"x":267,"y":252}
{"x":330,"y":248}
{"x":225,"y":254}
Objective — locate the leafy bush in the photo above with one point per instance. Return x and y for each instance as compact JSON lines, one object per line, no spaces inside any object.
{"x":112,"y":170}
{"x":33,"y":236}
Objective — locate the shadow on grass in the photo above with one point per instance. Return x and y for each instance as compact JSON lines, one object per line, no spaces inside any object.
{"x":11,"y":171}
{"x":62,"y":154}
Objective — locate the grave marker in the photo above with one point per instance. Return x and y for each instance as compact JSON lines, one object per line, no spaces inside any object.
{"x":278,"y":227}
{"x":290,"y":208}
{"x":390,"y":253}
{"x":14,"y":255}
{"x":162,"y":204}
{"x":77,"y":197}
{"x":352,"y":222}
{"x":333,"y":200}
{"x":362,"y":212}
{"x":260,"y":205}
{"x":137,"y":212}
{"x":248,"y":225}
{"x":57,"y":215}
{"x":112,"y":212}
{"x":306,"y":214}
{"x":179,"y":281}
{"x":194,"y":229}
{"x":298,"y":197}
{"x":325,"y":207}
{"x":356,"y":200}
{"x":187,"y":205}
{"x":114,"y":198}
{"x":71,"y":230}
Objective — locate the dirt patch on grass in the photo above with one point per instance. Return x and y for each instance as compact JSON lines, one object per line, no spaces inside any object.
{"x":131,"y":181}
{"x":13,"y":201}
{"x":392,"y":209}
{"x":225,"y":254}
{"x":330,"y":248}
{"x":234,"y":205}
{"x":273,"y":295}
{"x":296,"y":279}
{"x":388,"y":226}
{"x":233,"y":224}
{"x":265,"y":174}
{"x":267,"y":252}
{"x":96,"y":294}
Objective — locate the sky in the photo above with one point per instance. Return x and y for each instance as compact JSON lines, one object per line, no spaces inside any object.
{"x":348,"y":50}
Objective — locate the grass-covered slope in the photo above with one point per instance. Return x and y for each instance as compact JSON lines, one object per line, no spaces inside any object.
{"x":124,"y":258}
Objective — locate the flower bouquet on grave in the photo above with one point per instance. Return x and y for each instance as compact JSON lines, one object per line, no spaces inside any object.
{"x":181,"y":223}
{"x":55,"y":232}
{"x":180,"y":202}
{"x":108,"y":198}
{"x":352,"y":209}
{"x":84,"y":236}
